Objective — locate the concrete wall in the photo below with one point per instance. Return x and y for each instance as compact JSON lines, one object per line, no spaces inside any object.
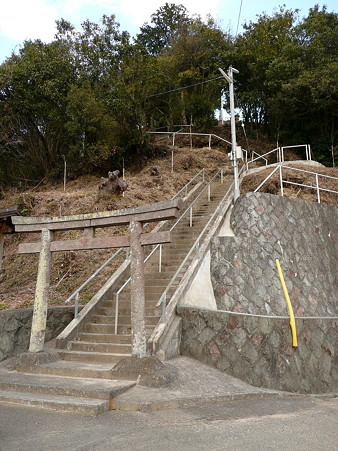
{"x":258,"y":349}
{"x":15,"y":328}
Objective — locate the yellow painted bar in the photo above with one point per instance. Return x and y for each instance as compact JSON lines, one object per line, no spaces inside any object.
{"x":288,"y":302}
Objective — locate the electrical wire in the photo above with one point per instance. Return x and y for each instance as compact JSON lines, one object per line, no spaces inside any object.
{"x":239,"y":15}
{"x":184,"y":87}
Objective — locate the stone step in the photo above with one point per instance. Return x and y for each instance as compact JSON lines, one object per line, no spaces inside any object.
{"x":123,"y":319}
{"x":92,"y":407}
{"x":85,"y":346}
{"x":65,"y":368}
{"x":104,"y":338}
{"x":96,"y":357}
{"x":110,"y":329}
{"x":125,"y":309}
{"x":151,"y":297}
{"x":64,"y":386}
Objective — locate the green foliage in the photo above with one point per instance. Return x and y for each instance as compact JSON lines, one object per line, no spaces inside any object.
{"x":288,"y":77}
{"x":166,"y":22}
{"x":91,"y":95}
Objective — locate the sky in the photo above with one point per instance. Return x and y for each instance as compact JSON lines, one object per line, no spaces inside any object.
{"x":22,"y":20}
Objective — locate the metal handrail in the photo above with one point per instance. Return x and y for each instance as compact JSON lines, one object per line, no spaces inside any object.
{"x":202,"y":171}
{"x":76,"y":293}
{"x":176,"y":125}
{"x":280,"y":154}
{"x":191,"y":134}
{"x":195,"y":247}
{"x":159,"y":246}
{"x":280,"y":167}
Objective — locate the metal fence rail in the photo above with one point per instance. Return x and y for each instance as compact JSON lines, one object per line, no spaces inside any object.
{"x":195,"y":248}
{"x":280,"y":154}
{"x":282,"y":181}
{"x":76,"y":294}
{"x":188,"y":211}
{"x":174,"y":134}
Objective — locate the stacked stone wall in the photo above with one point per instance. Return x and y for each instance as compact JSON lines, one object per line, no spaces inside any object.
{"x":249,"y":337}
{"x":15,"y":328}
{"x":303,"y":235}
{"x":258,"y":349}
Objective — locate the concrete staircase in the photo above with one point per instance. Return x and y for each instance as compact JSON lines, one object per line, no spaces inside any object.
{"x":82,"y":379}
{"x":85,"y":395}
{"x":98,"y":343}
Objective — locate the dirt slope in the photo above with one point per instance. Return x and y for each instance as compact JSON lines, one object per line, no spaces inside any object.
{"x":71,"y":269}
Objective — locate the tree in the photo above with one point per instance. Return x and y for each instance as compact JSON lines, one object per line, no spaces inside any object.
{"x":33,"y":89}
{"x":255,"y":51}
{"x":166,"y":21}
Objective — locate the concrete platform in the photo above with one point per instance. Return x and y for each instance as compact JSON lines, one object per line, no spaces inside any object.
{"x":196,"y":384}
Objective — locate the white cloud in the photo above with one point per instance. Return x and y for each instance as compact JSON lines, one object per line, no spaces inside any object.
{"x":32,"y":19}
{"x":139,"y":12}
{"x":23,"y":19}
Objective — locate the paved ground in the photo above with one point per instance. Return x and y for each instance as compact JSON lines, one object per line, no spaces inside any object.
{"x":291,"y":423}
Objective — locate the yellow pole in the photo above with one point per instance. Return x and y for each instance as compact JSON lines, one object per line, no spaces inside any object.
{"x":288,"y":302}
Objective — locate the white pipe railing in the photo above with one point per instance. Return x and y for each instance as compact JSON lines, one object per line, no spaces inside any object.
{"x":282,"y":182}
{"x":209,"y":135}
{"x":195,"y":248}
{"x":101,"y":268}
{"x":280,"y":154}
{"x":188,"y":210}
{"x":76,"y":293}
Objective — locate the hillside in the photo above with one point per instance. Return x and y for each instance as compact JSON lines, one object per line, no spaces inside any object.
{"x":70,"y":269}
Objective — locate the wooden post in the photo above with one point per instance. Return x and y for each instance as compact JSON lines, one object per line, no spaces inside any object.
{"x":138,"y":329}
{"x":41,"y":294}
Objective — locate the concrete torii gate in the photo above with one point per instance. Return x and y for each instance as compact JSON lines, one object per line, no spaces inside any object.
{"x":6,"y":226}
{"x":134,"y":217}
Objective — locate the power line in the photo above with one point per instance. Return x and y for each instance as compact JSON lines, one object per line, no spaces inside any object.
{"x":239,"y":15}
{"x":184,"y":87}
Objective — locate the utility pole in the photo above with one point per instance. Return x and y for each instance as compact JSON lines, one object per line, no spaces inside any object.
{"x":229,"y":78}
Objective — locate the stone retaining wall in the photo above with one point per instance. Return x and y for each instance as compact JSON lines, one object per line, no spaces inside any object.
{"x":249,"y":336}
{"x":15,"y":328}
{"x":302,"y":234}
{"x":258,"y":349}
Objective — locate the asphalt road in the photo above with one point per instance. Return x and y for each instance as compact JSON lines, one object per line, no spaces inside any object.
{"x":293,"y":423}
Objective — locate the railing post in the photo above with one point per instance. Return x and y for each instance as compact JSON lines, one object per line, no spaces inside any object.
{"x":209,"y":141}
{"x":310,"y":156}
{"x":203,"y":175}
{"x":164,"y":307}
{"x":318,"y":191}
{"x":127,"y":253}
{"x":172,"y":160}
{"x":209,"y":193}
{"x":160,"y":259}
{"x":2,"y":239}
{"x":281,"y":181}
{"x":76,"y":312}
{"x":116,"y":312}
{"x":222,"y":180}
{"x":173,"y":139}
